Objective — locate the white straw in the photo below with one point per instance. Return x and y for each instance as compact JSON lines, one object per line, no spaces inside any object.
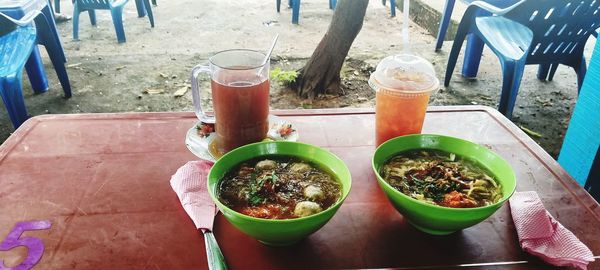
{"x":268,"y":55}
{"x":405,"y":23}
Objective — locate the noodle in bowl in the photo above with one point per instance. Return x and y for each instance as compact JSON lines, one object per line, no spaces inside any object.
{"x":435,"y":194}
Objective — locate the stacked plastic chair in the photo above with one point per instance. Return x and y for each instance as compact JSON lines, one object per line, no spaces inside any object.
{"x":540,"y":32}
{"x":116,"y":12}
{"x":17,"y":40}
{"x":295,"y":5}
{"x":579,"y":152}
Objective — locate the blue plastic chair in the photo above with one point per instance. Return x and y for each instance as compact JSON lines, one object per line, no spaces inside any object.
{"x":142,"y":6}
{"x":579,"y":153}
{"x":45,"y":24}
{"x":295,"y":5}
{"x":541,"y":32}
{"x":17,"y":40}
{"x":116,"y":11}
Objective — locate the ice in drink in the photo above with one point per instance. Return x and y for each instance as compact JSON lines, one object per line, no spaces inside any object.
{"x":403,"y":85}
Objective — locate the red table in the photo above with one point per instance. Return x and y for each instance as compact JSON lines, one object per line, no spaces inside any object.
{"x":103,"y":182}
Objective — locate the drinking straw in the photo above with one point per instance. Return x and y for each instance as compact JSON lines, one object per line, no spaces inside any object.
{"x":268,"y":55}
{"x":405,"y":23}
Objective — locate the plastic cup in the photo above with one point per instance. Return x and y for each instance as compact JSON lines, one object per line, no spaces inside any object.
{"x":403,"y":84}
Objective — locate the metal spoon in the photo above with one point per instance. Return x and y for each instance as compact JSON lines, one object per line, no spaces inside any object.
{"x":214,"y":256}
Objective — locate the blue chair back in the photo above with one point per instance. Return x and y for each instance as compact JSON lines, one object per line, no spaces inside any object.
{"x":560,"y":28}
{"x":93,"y":4}
{"x":579,"y":153}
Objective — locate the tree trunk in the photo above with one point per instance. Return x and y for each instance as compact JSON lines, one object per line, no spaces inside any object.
{"x":321,"y":74}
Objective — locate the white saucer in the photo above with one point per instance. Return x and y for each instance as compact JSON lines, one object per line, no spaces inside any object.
{"x":198,"y":145}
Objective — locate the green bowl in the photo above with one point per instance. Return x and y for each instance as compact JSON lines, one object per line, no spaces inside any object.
{"x":273,"y":231}
{"x":435,"y":219}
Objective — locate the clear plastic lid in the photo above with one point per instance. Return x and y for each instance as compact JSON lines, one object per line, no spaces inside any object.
{"x":404,"y":74}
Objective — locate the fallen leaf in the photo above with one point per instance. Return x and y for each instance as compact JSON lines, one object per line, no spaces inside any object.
{"x":73,"y":65}
{"x":153,"y":91}
{"x":163,"y":75}
{"x":180,"y":92}
{"x":530,"y":132}
{"x":120,"y":67}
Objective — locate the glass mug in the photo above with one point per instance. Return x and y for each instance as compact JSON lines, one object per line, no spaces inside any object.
{"x":240,"y":97}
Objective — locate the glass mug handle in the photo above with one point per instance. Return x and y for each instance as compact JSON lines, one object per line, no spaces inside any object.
{"x":196,"y":94}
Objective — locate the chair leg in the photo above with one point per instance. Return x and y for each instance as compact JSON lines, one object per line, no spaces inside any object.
{"x":546,"y":72}
{"x":512,"y":73}
{"x":54,"y":50}
{"x":36,"y":73}
{"x":581,"y":74}
{"x":154,"y":3}
{"x":57,"y":6}
{"x":92,"y":14}
{"x":473,"y":52}
{"x":12,"y":94}
{"x":393,"y":7}
{"x":149,"y":11}
{"x":444,"y":24}
{"x":141,"y":10}
{"x":295,"y":11}
{"x":76,"y":21}
{"x":543,"y":70}
{"x":553,"y":71}
{"x":290,"y":3}
{"x":461,"y":34}
{"x":117,"y":17}
{"x":332,"y":4}
{"x":278,"y":5}
{"x":49,"y":20}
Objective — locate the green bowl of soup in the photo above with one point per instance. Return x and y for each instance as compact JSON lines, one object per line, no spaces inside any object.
{"x":442,"y":184}
{"x":279,"y":192}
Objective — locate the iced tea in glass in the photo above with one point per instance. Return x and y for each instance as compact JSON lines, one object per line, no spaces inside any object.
{"x":397,"y":115}
{"x":403,"y":84}
{"x":240,"y":96}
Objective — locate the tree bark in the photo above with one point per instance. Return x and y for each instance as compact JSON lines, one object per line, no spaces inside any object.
{"x":321,"y":74}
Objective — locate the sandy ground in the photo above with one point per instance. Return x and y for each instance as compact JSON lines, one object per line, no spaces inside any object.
{"x":110,"y":77}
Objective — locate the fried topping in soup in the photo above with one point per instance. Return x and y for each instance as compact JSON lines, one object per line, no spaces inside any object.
{"x":441,"y":178}
{"x":278,"y":187}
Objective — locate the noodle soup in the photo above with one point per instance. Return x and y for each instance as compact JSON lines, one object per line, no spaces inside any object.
{"x":278,"y":187}
{"x":441,"y":178}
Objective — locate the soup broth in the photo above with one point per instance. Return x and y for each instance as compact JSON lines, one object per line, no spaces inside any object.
{"x":441,"y":178}
{"x":278,"y":187}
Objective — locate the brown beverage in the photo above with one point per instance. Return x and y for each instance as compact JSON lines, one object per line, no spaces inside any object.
{"x":241,"y":112}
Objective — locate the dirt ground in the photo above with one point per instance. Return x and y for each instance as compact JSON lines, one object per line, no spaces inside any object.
{"x":144,"y":73}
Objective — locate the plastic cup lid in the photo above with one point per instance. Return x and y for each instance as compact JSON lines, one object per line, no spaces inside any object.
{"x":404,"y":73}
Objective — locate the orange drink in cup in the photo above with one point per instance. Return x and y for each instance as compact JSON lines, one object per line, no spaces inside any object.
{"x":403,"y":84}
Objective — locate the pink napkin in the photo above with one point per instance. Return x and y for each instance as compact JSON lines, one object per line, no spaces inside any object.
{"x":189,"y":182}
{"x":541,"y":235}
